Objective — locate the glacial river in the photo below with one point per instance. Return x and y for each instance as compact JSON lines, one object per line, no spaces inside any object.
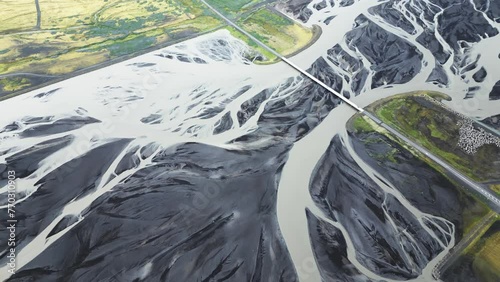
{"x":154,"y":99}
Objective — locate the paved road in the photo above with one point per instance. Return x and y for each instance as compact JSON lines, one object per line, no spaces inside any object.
{"x":492,"y":198}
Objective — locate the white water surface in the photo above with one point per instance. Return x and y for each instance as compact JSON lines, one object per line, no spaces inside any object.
{"x":177,"y":93}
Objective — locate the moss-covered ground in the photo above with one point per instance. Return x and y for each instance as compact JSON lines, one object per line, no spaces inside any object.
{"x":495,"y":188}
{"x":74,"y":35}
{"x":437,"y":129}
{"x":69,"y":36}
{"x":480,"y":261}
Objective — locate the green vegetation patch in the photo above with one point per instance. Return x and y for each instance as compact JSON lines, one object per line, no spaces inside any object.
{"x":495,"y":188}
{"x":360,"y":124}
{"x":276,"y":31}
{"x":480,"y":261}
{"x":74,"y":35}
{"x":130,"y":46}
{"x":436,"y":128}
{"x":233,"y":6}
{"x":269,"y":56}
{"x":370,"y":133}
{"x":9,"y":84}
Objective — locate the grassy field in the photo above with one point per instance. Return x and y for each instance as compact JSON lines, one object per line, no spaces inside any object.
{"x":69,"y":36}
{"x":278,"y":32}
{"x":233,"y":7}
{"x":495,"y":188}
{"x":474,"y":212}
{"x":17,"y":15}
{"x":77,"y":34}
{"x":480,"y":261}
{"x":487,"y":254}
{"x":435,"y":128}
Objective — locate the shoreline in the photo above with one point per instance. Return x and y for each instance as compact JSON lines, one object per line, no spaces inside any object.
{"x":316,"y":34}
{"x":105,"y":64}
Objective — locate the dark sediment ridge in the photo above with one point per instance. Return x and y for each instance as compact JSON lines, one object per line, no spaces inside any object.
{"x":423,"y":186}
{"x":198,"y":212}
{"x":373,"y":218}
{"x":330,"y":251}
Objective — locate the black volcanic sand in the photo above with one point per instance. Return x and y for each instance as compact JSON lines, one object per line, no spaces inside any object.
{"x":396,"y":60}
{"x":495,"y":92}
{"x":199,"y":213}
{"x":58,"y":126}
{"x":26,"y":162}
{"x":423,"y":186}
{"x":344,"y":192}
{"x":330,"y":250}
{"x":471,"y":268}
{"x":480,"y":75}
{"x":292,"y":118}
{"x":67,"y":182}
{"x":45,"y":125}
{"x":299,"y":9}
{"x":493,"y":121}
{"x":342,"y":59}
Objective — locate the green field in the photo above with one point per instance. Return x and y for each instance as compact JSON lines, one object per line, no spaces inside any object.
{"x":436,"y":128}
{"x":234,"y":7}
{"x":278,"y":32}
{"x":495,"y":188}
{"x":73,"y":35}
{"x":69,"y":36}
{"x":480,"y":261}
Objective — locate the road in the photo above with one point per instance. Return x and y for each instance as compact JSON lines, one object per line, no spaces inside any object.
{"x":492,"y":198}
{"x":464,"y":243}
{"x":231,"y":23}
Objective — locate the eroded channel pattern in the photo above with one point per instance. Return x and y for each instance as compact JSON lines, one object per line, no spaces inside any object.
{"x":171,"y":161}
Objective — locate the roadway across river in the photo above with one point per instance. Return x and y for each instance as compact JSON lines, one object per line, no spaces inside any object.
{"x":492,"y":199}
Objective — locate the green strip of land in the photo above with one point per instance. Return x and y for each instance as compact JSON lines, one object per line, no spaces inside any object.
{"x":437,"y":128}
{"x":83,"y":35}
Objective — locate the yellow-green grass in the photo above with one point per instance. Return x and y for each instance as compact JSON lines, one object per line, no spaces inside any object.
{"x":278,"y":32}
{"x":485,"y":253}
{"x":412,"y":119}
{"x":495,"y":188}
{"x":78,"y":34}
{"x":362,"y":124}
{"x":489,"y":255}
{"x":13,"y":83}
{"x":269,"y":56}
{"x":233,"y":7}
{"x":475,"y":244}
{"x":137,"y":9}
{"x":17,"y":15}
{"x":57,"y":14}
{"x":471,"y":216}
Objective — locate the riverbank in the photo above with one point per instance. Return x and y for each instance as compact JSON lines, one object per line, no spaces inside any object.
{"x":422,"y":117}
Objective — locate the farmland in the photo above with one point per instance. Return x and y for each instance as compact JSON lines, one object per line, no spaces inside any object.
{"x":69,"y":36}
{"x":42,"y":41}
